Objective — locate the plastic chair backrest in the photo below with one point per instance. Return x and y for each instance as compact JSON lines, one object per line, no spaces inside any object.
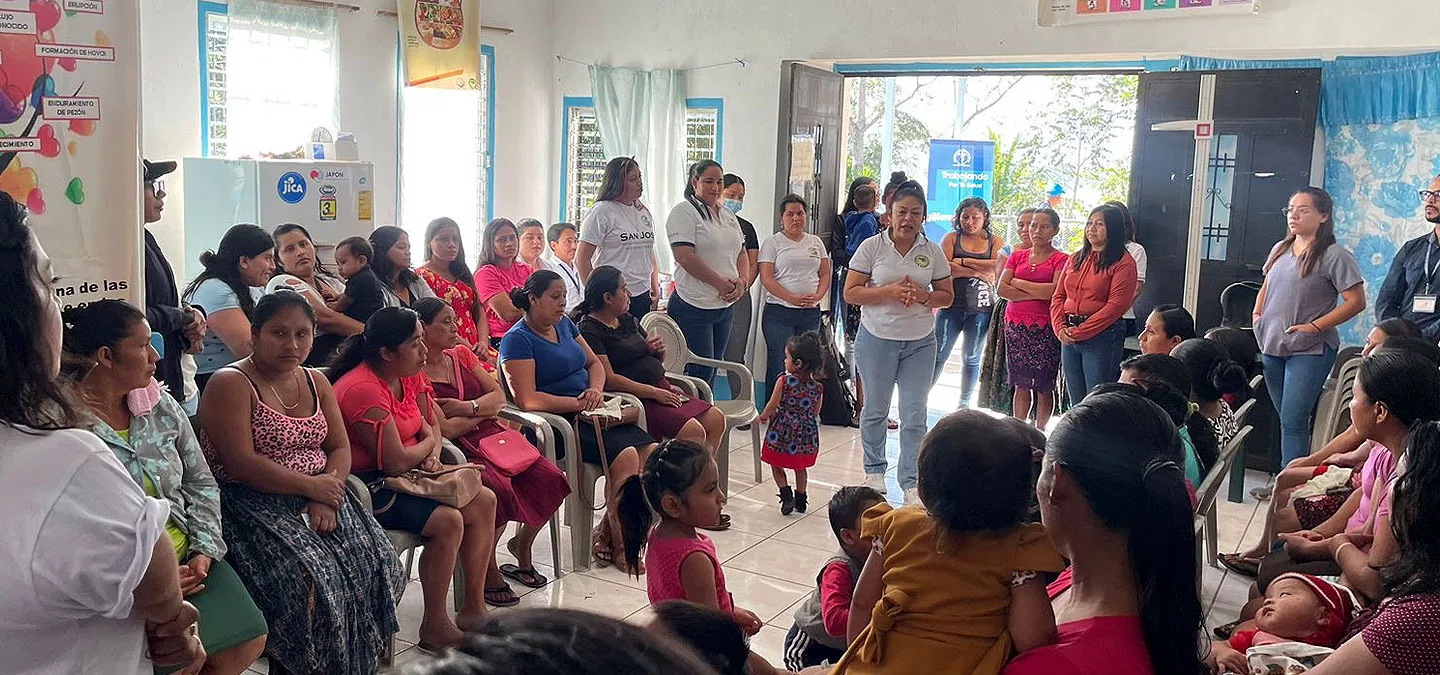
{"x":677,"y":351}
{"x":1243,"y":413}
{"x":1237,"y":302}
{"x":1210,"y":486}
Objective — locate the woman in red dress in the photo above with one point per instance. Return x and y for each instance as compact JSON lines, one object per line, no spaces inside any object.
{"x":447,"y":273}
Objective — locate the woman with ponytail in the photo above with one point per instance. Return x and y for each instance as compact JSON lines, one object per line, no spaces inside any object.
{"x":1213,"y":376}
{"x":1167,"y":383}
{"x":233,"y":278}
{"x":552,"y":369}
{"x":1113,"y":497}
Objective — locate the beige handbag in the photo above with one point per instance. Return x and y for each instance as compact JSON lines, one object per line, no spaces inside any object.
{"x":452,"y":486}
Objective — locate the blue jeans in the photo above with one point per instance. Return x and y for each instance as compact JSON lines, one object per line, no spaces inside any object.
{"x":779,"y":324}
{"x":1294,"y":383}
{"x":950,"y":325}
{"x":882,"y":365}
{"x":707,"y":332}
{"x":1093,"y":362}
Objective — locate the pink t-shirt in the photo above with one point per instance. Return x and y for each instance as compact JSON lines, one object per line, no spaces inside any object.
{"x":1374,"y":479}
{"x":1032,"y":312}
{"x":663,"y":558}
{"x":491,"y":280}
{"x":1103,"y":645}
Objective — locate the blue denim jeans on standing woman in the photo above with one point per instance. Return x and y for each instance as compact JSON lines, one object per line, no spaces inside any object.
{"x":1294,"y":383}
{"x":707,"y":332}
{"x":1093,"y":362}
{"x":779,"y":324}
{"x":883,"y":364}
{"x":950,"y":325}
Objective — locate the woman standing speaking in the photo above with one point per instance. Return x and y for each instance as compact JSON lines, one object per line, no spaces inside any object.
{"x":897,"y":278}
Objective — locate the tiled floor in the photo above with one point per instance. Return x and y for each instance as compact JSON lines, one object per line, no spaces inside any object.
{"x":770,"y":560}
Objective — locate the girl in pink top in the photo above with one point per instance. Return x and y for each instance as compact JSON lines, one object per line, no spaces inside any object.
{"x":682,"y":483}
{"x":501,"y":271}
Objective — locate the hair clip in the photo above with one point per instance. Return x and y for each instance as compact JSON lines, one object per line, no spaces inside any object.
{"x":1159,"y":464}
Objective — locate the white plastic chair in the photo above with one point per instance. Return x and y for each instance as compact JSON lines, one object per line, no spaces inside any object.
{"x":1206,"y":522}
{"x":738,"y":412}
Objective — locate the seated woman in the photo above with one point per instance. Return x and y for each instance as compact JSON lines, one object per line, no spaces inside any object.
{"x":108,"y":354}
{"x":632,"y":365}
{"x":390,"y":414}
{"x":232,"y":278}
{"x":528,"y":488}
{"x":299,"y":268}
{"x":552,"y":369}
{"x":320,"y":568}
{"x":1197,"y":438}
{"x":1214,"y":376}
{"x":1167,"y":326}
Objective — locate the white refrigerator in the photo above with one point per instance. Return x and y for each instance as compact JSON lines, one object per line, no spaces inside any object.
{"x":332,"y":200}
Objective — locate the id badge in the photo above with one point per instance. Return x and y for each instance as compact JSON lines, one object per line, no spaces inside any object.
{"x":1424,"y":304}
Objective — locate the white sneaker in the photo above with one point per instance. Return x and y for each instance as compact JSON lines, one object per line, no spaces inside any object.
{"x":875,"y":481}
{"x":912,"y":497}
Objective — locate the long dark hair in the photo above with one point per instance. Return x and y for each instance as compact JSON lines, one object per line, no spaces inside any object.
{"x":1398,"y":327}
{"x":673,"y":467}
{"x":1123,"y":453}
{"x":387,"y":328}
{"x":487,"y":240}
{"x":30,"y":394}
{"x":1114,"y":240}
{"x":1324,"y":237}
{"x":286,"y":228}
{"x":612,"y":182}
{"x":1414,"y":504}
{"x":382,"y":239}
{"x":1212,"y":372}
{"x":1129,"y":219}
{"x":972,"y":203}
{"x":1405,"y":379}
{"x":1177,"y":321}
{"x":535,"y":286}
{"x":697,"y":170}
{"x":240,"y":241}
{"x":1166,"y":382}
{"x":1240,"y":345}
{"x":850,"y":194}
{"x":458,"y":267}
{"x":103,"y":323}
{"x":604,"y":280}
{"x":428,"y":308}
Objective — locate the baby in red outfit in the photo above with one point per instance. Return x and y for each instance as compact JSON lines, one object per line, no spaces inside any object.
{"x":1298,"y":608}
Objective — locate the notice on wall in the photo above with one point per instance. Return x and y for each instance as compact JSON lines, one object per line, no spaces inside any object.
{"x":69,"y":138}
{"x":440,"y":43}
{"x":1070,"y":12}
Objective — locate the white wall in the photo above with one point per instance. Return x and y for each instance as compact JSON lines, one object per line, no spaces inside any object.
{"x":170,"y":85}
{"x":664,"y":33}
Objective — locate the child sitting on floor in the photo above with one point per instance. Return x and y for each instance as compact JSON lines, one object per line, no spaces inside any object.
{"x":954,"y":583}
{"x":818,"y":634}
{"x":1299,"y":608}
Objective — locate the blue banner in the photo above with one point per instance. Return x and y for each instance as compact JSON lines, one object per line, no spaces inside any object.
{"x":958,"y":170}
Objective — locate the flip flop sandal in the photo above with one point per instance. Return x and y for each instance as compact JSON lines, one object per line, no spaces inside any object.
{"x":1240,"y":564}
{"x":504,"y":591}
{"x":525,"y":576}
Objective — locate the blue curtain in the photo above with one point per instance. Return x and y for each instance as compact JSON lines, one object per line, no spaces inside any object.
{"x":1193,"y":63}
{"x":1380,"y":90}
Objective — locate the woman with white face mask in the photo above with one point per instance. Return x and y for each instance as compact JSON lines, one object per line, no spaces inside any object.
{"x":737,"y":351}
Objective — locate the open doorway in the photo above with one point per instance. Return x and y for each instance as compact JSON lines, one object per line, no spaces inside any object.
{"x":1017,"y":140}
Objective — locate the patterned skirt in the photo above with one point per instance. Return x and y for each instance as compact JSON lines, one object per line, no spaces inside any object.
{"x":1032,"y":356}
{"x":329,"y":599}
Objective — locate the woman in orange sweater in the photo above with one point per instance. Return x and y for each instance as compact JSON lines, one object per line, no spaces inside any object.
{"x":1094,"y":290}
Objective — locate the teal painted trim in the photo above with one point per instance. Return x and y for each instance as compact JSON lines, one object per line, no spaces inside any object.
{"x":566,"y":104}
{"x":204,"y":8}
{"x":718,"y":104}
{"x":489,"y":52}
{"x":1145,"y":65}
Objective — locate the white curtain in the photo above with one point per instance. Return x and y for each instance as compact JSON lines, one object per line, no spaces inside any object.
{"x":641,"y":114}
{"x":282,"y":65}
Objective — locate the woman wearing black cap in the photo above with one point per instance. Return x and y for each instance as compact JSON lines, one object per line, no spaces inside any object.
{"x":181,"y":326}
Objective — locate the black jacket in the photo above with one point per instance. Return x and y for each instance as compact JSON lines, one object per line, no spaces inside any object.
{"x":166,"y":315}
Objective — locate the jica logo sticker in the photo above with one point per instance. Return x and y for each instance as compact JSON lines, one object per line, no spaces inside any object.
{"x":291,"y":188}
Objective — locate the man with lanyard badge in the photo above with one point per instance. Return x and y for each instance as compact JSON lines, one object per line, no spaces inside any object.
{"x":1410,"y":289}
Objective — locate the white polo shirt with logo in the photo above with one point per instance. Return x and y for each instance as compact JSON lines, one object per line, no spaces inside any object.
{"x":924,"y":264}
{"x":624,"y":238}
{"x":718,"y":243}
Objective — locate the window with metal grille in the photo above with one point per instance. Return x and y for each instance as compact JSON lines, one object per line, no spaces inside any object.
{"x":446,"y":155}
{"x":584,"y":158}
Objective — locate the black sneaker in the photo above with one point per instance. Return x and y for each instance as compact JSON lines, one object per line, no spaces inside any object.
{"x":801,"y":503}
{"x":787,"y":501}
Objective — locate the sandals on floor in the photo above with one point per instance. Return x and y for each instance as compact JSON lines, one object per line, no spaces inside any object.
{"x":506,"y":595}
{"x":1240,"y":564}
{"x":721,"y":526}
{"x":602,"y":550}
{"x":525,"y":576}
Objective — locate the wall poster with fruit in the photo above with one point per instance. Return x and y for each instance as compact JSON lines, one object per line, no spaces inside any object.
{"x":70,"y":138}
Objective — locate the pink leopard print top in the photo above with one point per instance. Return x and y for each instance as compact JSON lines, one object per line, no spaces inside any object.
{"x":292,"y":442}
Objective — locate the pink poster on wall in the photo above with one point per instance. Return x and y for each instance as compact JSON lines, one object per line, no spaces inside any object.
{"x":1069,"y":12}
